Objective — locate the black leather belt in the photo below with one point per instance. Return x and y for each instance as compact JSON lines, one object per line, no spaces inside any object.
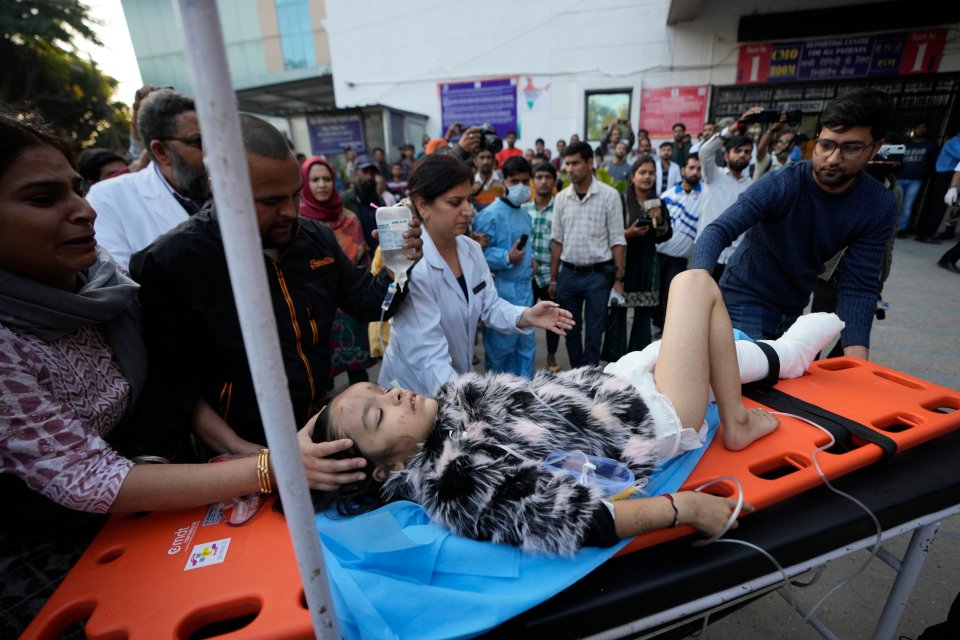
{"x":602,"y":267}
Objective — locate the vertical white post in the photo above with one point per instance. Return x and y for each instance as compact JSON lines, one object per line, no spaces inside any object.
{"x":225,"y":160}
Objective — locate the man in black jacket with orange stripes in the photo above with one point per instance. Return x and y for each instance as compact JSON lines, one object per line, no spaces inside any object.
{"x":199,"y":373}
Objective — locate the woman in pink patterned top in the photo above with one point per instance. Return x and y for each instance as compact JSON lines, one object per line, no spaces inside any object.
{"x":72,"y":362}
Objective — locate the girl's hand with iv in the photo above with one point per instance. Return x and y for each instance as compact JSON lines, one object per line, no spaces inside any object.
{"x":707,"y":513}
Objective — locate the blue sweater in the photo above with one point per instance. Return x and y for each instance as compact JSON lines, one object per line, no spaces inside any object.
{"x":792,"y":228}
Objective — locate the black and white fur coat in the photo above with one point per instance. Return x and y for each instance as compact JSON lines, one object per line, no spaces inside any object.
{"x":479,"y":490}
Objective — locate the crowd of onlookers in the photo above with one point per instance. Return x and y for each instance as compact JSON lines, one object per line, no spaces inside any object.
{"x":692,"y":189}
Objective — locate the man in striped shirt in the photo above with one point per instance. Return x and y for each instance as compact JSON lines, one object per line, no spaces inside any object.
{"x":541,"y":213}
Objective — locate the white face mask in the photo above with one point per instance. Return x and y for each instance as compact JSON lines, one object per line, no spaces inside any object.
{"x":518,"y":194}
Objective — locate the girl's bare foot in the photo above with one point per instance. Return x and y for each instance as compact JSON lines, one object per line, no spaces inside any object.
{"x":742,"y":431}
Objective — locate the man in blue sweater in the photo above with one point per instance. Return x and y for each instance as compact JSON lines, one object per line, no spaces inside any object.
{"x":799,"y":217}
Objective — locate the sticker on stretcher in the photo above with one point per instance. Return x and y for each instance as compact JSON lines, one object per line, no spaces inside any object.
{"x":207,"y":554}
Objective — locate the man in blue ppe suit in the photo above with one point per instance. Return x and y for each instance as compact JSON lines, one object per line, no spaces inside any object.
{"x":509,"y":229}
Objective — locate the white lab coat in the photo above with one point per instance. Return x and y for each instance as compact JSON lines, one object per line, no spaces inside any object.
{"x":432,"y":335}
{"x":133,"y":210}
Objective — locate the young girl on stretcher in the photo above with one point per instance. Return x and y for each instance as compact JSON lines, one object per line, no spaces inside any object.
{"x":473,"y":456}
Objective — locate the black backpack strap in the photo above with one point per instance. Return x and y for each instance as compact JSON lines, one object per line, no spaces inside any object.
{"x":840,"y":427}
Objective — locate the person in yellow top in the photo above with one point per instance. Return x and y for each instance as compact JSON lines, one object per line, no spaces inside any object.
{"x":378,"y":332}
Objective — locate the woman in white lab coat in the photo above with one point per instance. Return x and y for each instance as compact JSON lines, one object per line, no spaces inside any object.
{"x":432,"y":336}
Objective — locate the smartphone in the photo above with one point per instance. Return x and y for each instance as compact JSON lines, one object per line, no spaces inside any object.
{"x":765,"y":116}
{"x":523,"y":242}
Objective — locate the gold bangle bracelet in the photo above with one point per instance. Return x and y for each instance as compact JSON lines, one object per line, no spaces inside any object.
{"x":263,"y":471}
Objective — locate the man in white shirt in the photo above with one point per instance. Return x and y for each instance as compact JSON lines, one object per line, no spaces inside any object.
{"x":668,"y":172}
{"x":588,"y":242}
{"x":723,"y":186}
{"x":135,"y":209}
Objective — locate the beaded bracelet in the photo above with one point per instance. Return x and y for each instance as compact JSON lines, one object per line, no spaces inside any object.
{"x":676,"y":513}
{"x":263,"y":471}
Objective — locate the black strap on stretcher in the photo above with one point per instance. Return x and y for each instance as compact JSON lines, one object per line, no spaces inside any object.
{"x":843,"y":429}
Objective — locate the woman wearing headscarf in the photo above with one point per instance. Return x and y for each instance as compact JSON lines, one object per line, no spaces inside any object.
{"x":350,"y":350}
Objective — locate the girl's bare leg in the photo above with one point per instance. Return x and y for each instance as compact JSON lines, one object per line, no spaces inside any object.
{"x":697,"y":353}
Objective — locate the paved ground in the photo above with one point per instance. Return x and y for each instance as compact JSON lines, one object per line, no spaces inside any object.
{"x":920,"y":336}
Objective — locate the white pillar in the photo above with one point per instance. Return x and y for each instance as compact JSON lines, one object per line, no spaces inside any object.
{"x":225,"y":160}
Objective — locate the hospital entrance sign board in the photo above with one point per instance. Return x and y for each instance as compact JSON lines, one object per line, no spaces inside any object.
{"x":868,"y":56}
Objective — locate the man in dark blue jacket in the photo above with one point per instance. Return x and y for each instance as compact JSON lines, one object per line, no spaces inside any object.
{"x":798,"y":218}
{"x":199,"y":373}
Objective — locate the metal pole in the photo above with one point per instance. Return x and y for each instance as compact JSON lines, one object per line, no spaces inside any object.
{"x":225,"y":159}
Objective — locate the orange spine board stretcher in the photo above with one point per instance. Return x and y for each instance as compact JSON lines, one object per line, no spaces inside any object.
{"x":179,"y":574}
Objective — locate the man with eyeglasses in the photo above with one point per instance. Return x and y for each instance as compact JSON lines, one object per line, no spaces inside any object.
{"x":135,"y":209}
{"x":794,"y":220}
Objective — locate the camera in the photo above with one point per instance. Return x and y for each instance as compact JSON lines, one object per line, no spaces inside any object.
{"x":489,"y":140}
{"x":890,"y":153}
{"x":766,"y":116}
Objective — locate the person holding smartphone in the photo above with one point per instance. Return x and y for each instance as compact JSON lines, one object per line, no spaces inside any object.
{"x":508,"y":227}
{"x":645,"y":226}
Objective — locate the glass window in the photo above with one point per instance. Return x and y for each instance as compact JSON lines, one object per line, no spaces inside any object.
{"x":296,"y":34}
{"x":604,"y":107}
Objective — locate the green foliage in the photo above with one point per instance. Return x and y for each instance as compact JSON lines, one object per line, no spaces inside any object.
{"x":44,"y":73}
{"x":604,"y":176}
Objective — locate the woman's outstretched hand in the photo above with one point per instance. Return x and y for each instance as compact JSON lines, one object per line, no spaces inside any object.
{"x":547,"y":315}
{"x":323,"y":472}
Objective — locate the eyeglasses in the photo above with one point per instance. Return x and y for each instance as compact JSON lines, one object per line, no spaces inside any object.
{"x":848,"y":150}
{"x":196,"y":143}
